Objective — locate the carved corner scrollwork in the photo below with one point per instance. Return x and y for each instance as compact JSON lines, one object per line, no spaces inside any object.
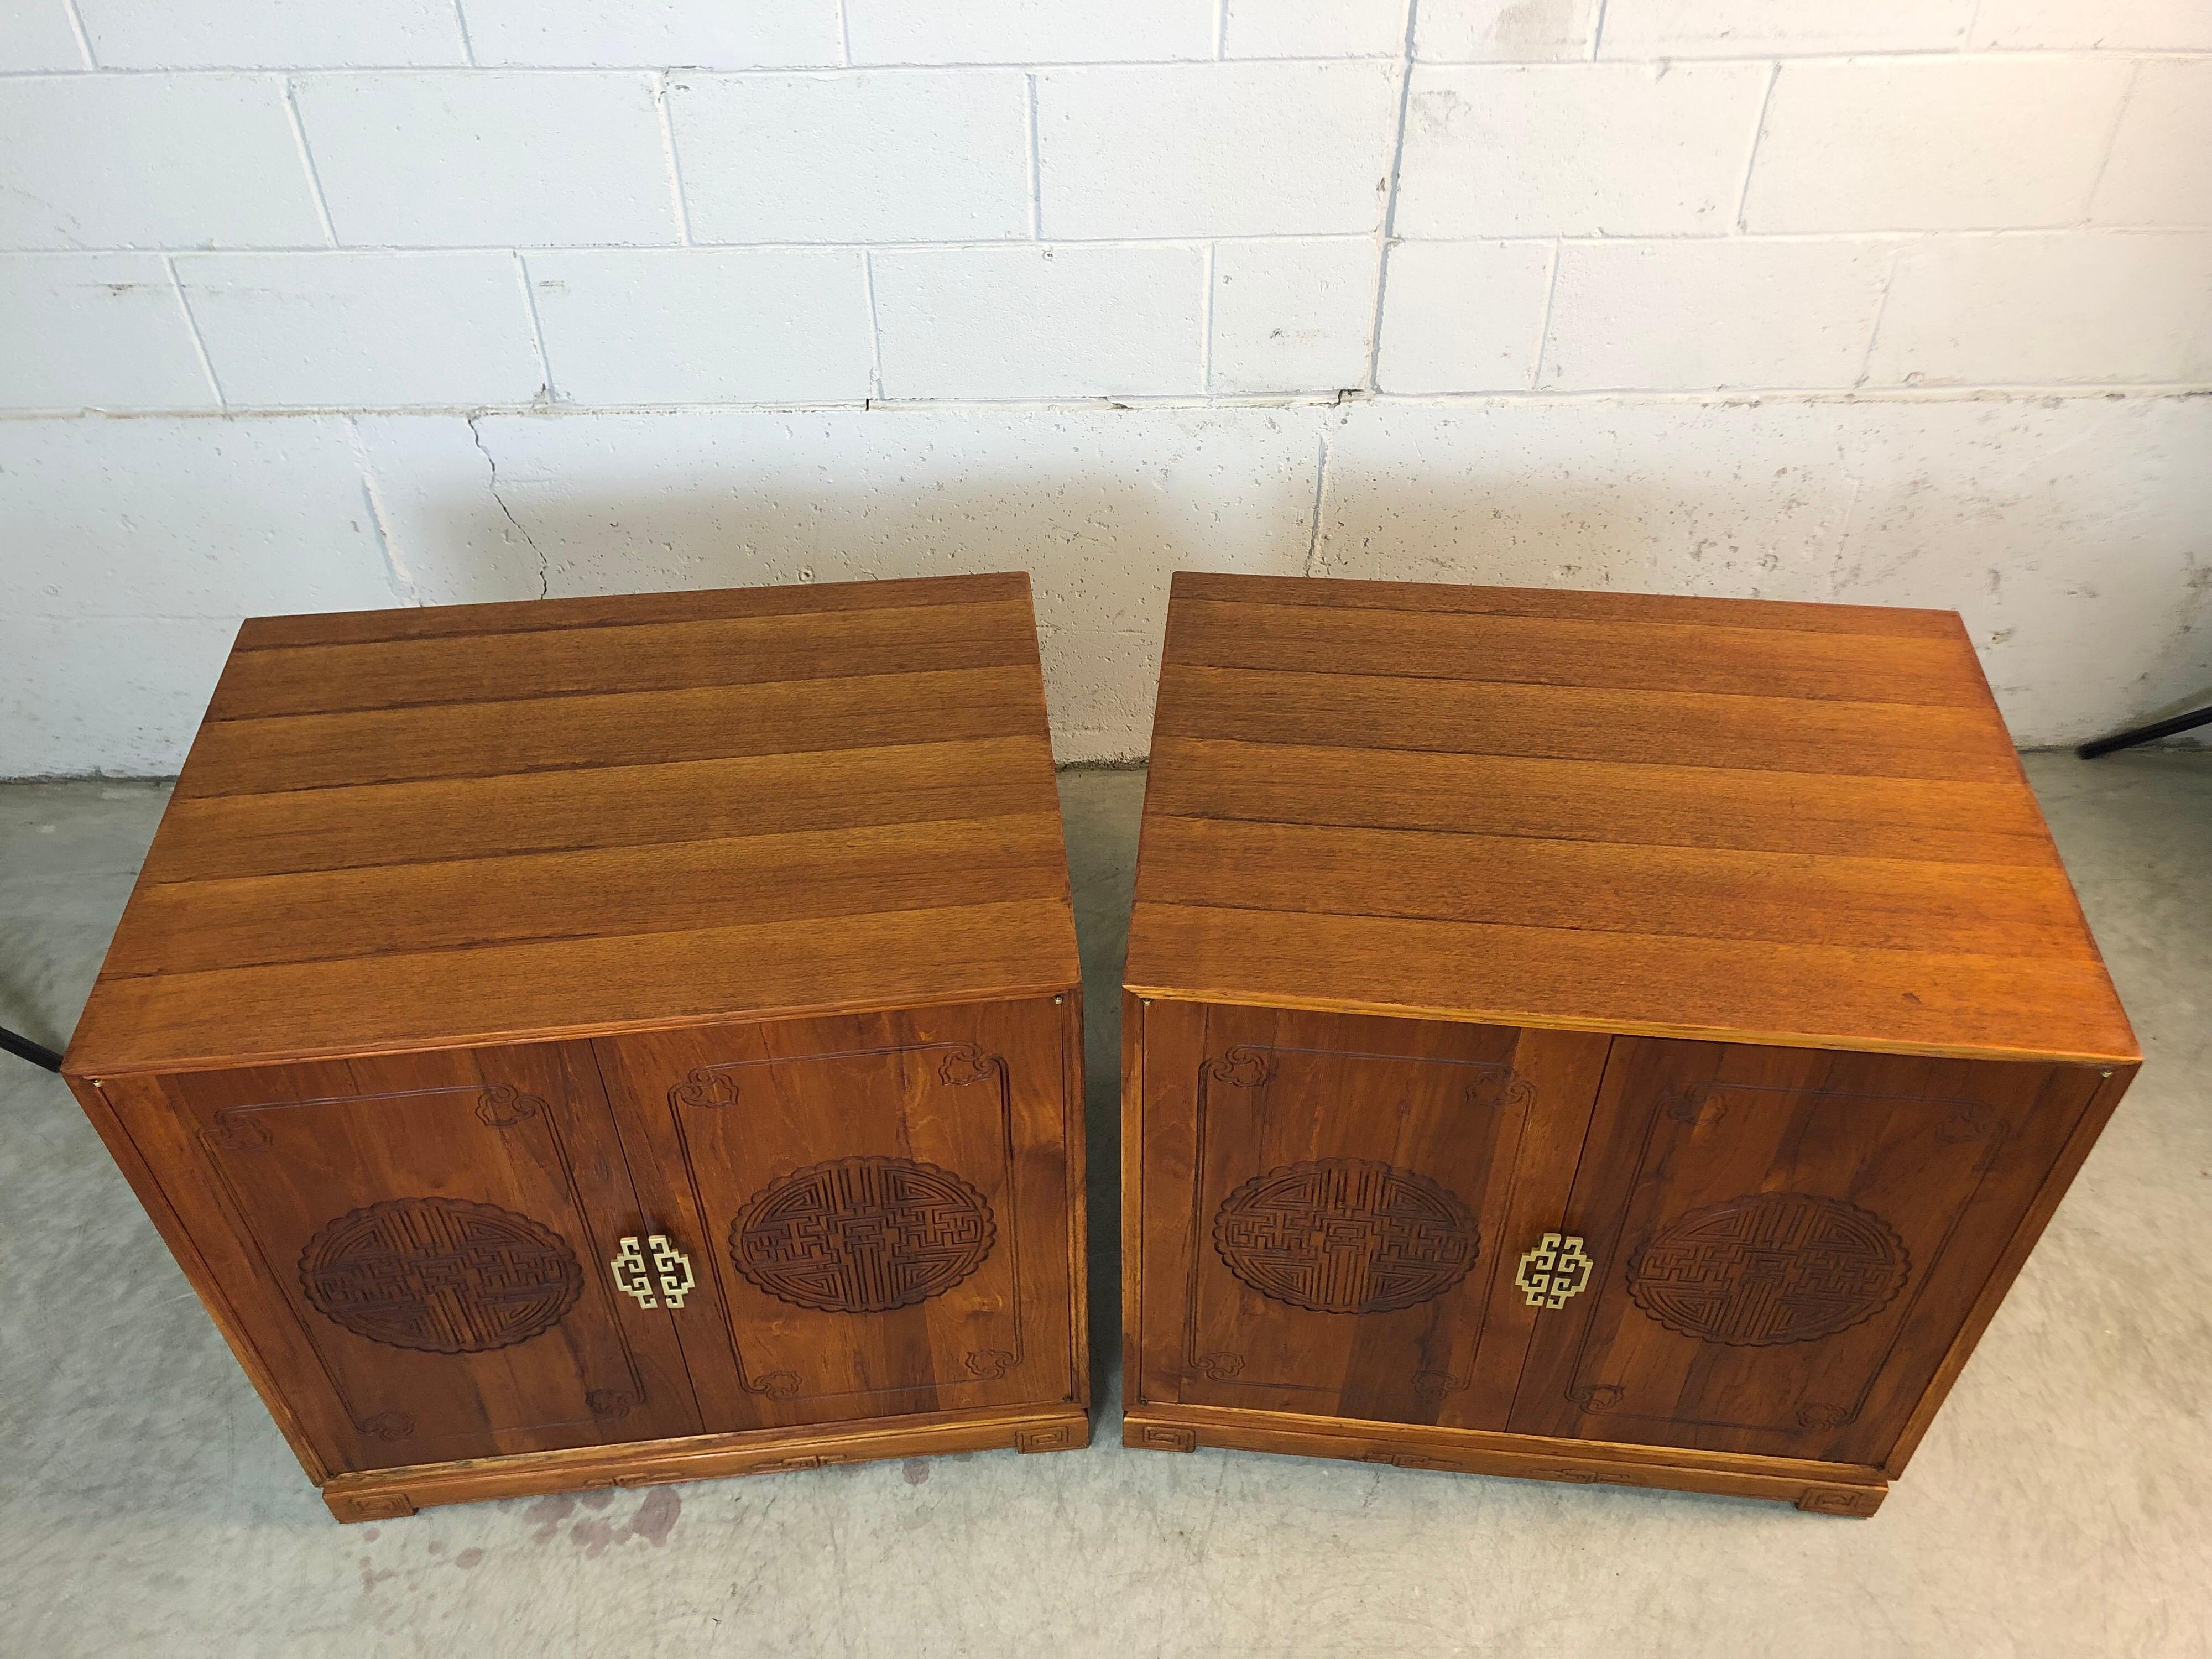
{"x":776,"y":1385}
{"x":1819,"y":1415}
{"x":1972,"y":1121}
{"x":1500,"y":1088}
{"x":1058,"y":1437}
{"x":1856,"y":1501}
{"x":609,"y":1403}
{"x":1243,"y":1066}
{"x":1696,"y":1104}
{"x":1221,"y":1367}
{"x":988,"y":1365}
{"x":501,"y":1106}
{"x":235,"y":1129}
{"x":389,"y":1426}
{"x":1401,"y":1460}
{"x":704,"y":1086}
{"x":1596,"y":1397}
{"x":1436,"y":1384}
{"x":1164,"y":1436}
{"x":967,"y":1064}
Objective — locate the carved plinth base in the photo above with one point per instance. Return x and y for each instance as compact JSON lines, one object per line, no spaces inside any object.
{"x":390,"y":1494}
{"x":1816,"y":1488}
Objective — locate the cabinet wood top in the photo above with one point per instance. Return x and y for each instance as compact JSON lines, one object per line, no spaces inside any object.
{"x":1744,"y":819}
{"x":484,"y":823}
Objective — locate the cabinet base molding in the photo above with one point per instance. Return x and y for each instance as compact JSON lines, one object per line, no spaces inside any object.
{"x":1817,"y":1488}
{"x":390,"y":1494}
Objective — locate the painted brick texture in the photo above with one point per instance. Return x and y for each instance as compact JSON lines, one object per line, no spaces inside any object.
{"x":363,"y":281}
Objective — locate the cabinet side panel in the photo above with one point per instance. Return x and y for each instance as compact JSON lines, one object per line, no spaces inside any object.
{"x":176,"y":1220}
{"x":2114,"y":1083}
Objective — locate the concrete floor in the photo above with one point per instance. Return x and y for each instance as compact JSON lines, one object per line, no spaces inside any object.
{"x":2062,"y":1505}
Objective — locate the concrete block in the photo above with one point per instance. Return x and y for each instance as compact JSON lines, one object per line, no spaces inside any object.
{"x":35,"y":35}
{"x":894,"y":155}
{"x":116,"y":695}
{"x":446,"y":539}
{"x":151,"y":160}
{"x":656,"y":34}
{"x":1027,"y":31}
{"x":95,"y":331}
{"x":1292,"y":316}
{"x":1464,"y":316}
{"x":271,"y":34}
{"x":2111,"y":25}
{"x":364,"y":331}
{"x":1756,"y":28}
{"x":2161,"y":168}
{"x":1223,"y":149}
{"x":1504,"y":31}
{"x":1066,"y":321}
{"x":1607,"y":150}
{"x":490,"y":158}
{"x":703,"y":325}
{"x":1933,"y":143}
{"x":1694,"y":314}
{"x":1313,"y":29}
{"x":155,"y":516}
{"x":2065,"y":529}
{"x":1099,"y":505}
{"x":2064,"y":306}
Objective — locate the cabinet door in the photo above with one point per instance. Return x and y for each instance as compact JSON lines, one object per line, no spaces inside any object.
{"x":881,"y":1204}
{"x":418,"y":1247}
{"x":1332,"y":1207}
{"x":1787,"y":1241}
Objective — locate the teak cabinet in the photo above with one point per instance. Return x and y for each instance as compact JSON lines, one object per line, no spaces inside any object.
{"x":610,"y":1042}
{"x":1594,"y":1038}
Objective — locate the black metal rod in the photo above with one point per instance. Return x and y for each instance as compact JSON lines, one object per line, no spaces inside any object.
{"x":37,"y":1052}
{"x":2150,"y":733}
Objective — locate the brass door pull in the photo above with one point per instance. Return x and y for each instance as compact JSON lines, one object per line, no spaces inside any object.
{"x":668,"y":1270}
{"x":1557,"y":1268}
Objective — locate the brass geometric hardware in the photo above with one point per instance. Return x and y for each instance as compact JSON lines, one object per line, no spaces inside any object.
{"x":674,"y":1267}
{"x":669,"y":1271}
{"x":1557,"y":1268}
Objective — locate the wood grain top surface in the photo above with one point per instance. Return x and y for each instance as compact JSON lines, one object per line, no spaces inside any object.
{"x":1744,"y":819}
{"x":484,"y":823}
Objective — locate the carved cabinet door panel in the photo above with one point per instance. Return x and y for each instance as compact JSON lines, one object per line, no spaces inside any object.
{"x":1787,"y":1240}
{"x":1332,"y":1207}
{"x":417,"y":1247}
{"x":878,"y":1204}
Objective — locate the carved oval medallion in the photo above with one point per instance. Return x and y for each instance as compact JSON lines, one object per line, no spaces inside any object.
{"x":1346,"y":1236}
{"x":862,"y":1235}
{"x":441,"y":1274}
{"x":1772,"y":1268}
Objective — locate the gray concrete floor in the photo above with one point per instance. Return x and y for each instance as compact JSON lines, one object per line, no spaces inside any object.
{"x":2062,"y":1506}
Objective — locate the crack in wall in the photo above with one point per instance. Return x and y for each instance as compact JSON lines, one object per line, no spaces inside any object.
{"x":491,"y":467}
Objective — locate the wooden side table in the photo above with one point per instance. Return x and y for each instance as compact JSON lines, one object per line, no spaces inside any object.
{"x":1596,"y":1037}
{"x":610,"y":1042}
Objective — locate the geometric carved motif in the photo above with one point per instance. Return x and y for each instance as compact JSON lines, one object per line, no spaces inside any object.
{"x":862,"y":1235}
{"x":1346,"y":1236}
{"x":1769,"y":1268}
{"x":440,"y":1275}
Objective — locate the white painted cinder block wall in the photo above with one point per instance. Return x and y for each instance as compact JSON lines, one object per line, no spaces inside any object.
{"x":307,"y":305}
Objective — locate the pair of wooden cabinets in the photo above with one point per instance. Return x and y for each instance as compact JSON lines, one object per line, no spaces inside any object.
{"x":1588,"y":1036}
